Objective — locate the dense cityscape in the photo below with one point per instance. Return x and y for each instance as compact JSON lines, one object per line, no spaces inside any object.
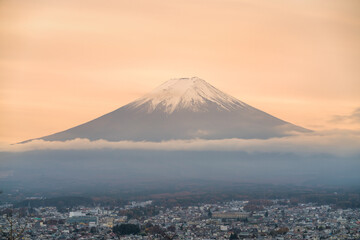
{"x":263,"y":219}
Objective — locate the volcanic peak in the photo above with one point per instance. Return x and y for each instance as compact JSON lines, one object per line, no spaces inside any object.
{"x":191,"y":94}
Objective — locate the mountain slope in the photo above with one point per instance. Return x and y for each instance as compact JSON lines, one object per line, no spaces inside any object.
{"x":184,"y":108}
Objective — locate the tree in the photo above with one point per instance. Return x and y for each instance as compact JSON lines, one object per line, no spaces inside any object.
{"x":15,"y":232}
{"x":283,"y":230}
{"x":171,"y":228}
{"x":157,"y":230}
{"x":126,"y":229}
{"x":209,"y":213}
{"x":234,"y":236}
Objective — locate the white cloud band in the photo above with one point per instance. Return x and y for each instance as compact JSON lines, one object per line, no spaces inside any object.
{"x":340,"y":143}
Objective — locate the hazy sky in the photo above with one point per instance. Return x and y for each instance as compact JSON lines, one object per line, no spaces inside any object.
{"x":65,"y":62}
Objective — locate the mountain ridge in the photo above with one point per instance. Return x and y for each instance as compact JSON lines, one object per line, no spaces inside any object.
{"x":184,"y":108}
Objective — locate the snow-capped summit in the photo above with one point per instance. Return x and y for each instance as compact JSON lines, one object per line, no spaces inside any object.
{"x":183,"y":108}
{"x":191,"y":94}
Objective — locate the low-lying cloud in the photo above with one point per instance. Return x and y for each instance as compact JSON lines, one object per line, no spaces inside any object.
{"x":336,"y":142}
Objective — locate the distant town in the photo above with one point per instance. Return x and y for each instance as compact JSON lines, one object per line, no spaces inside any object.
{"x":236,"y":219}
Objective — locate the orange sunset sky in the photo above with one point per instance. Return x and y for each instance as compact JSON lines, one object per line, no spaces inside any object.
{"x":63,"y":63}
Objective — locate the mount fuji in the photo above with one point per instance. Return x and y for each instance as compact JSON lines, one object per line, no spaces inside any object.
{"x":183,"y":108}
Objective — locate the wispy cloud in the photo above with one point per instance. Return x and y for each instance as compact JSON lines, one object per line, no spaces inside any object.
{"x":336,"y":142}
{"x":354,"y":117}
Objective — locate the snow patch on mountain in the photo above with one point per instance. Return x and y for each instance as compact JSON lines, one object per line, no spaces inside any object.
{"x":191,"y":94}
